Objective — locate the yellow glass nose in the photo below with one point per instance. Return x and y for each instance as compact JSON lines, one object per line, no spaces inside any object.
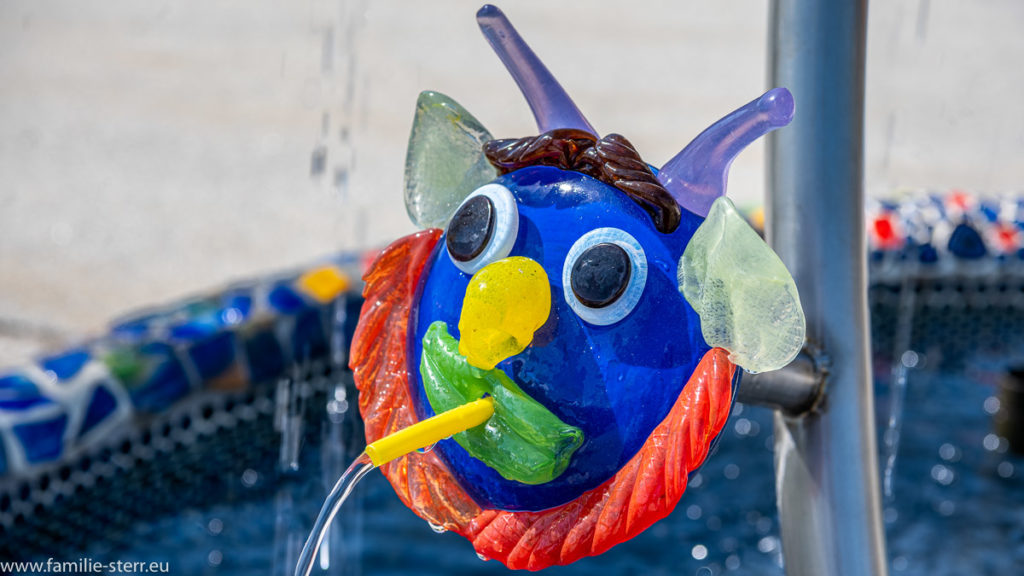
{"x":505,"y":303}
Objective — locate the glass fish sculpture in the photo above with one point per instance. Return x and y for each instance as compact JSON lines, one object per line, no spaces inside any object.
{"x":601,"y":304}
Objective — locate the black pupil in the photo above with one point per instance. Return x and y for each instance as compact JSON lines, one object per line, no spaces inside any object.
{"x":471,"y":228}
{"x":600,"y":275}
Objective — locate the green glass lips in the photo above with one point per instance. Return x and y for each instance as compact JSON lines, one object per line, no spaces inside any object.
{"x":523,"y":441}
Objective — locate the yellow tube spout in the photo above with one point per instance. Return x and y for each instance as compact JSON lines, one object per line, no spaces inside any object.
{"x":430,"y":431}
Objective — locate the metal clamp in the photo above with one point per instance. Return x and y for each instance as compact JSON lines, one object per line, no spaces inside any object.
{"x":795,"y":389}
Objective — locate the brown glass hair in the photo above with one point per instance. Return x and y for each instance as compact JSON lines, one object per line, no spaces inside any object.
{"x":612,"y":160}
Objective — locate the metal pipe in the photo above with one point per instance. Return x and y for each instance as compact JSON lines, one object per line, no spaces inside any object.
{"x":794,"y":389}
{"x":826,"y":461}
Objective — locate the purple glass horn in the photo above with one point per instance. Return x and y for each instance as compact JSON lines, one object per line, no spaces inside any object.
{"x":551,"y":106}
{"x":697,"y":175}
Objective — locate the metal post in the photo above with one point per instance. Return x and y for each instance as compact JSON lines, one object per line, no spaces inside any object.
{"x":826,"y":461}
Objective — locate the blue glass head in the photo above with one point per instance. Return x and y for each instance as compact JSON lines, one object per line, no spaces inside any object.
{"x":615,"y":382}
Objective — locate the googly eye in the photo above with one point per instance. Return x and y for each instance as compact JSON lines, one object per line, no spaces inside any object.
{"x":483,"y":229}
{"x":604,"y":276}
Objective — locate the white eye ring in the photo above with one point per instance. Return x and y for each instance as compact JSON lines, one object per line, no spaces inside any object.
{"x":506,"y":227}
{"x":621,"y":307}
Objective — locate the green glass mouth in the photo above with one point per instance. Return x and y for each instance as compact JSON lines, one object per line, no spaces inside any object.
{"x":523,"y":441}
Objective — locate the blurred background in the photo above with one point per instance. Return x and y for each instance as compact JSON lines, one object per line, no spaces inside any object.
{"x":150,"y":150}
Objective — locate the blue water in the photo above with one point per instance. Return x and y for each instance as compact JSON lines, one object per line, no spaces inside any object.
{"x":958,"y":506}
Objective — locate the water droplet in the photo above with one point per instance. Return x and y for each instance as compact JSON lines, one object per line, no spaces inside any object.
{"x":215,"y":557}
{"x":340,"y":394}
{"x":249,"y":478}
{"x":942,"y":475}
{"x":696,"y":480}
{"x":992,"y":404}
{"x":215,"y":526}
{"x":742,"y":427}
{"x":731,"y":471}
{"x":337,"y":407}
{"x":482,"y":557}
{"x":232,"y":316}
{"x":890,"y":515}
{"x":699,"y":552}
{"x":732,"y":562}
{"x":891,"y":437}
{"x":764,"y":525}
{"x":947,"y":507}
{"x":437,"y":528}
{"x":755,"y":429}
{"x":1005,"y":469}
{"x":693,"y":512}
{"x":991,"y":442}
{"x":910,"y":359}
{"x":768,"y":544}
{"x":949,"y":453}
{"x":899,"y":563}
{"x":426,"y":449}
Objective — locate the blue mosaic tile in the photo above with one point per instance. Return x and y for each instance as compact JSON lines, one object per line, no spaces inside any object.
{"x":103,"y":403}
{"x":265,"y":355}
{"x":990,"y":210}
{"x":134,"y":327}
{"x":927,"y":254}
{"x":152,"y":374}
{"x":214,"y":355}
{"x":43,"y":440}
{"x":309,"y":339}
{"x":166,"y":384}
{"x":966,"y":243}
{"x":194,"y":331}
{"x":285,"y":300}
{"x":19,"y":393}
{"x":66,"y":364}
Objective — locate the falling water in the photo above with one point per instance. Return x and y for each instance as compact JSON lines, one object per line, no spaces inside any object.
{"x":359,"y":468}
{"x":341,"y":545}
{"x":289,"y":421}
{"x":339,"y":551}
{"x":901,"y":372}
{"x":287,"y":537}
{"x":289,"y":416}
{"x":905,"y":360}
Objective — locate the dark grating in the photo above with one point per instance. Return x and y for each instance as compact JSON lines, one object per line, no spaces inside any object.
{"x":190,"y":456}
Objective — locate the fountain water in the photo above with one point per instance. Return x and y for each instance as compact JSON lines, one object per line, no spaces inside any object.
{"x":360,"y":467}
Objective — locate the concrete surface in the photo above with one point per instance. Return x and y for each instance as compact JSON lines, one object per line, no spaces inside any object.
{"x":151,"y":150}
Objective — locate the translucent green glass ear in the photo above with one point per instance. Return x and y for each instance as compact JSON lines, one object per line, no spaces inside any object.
{"x":746,"y":299}
{"x":445,"y":160}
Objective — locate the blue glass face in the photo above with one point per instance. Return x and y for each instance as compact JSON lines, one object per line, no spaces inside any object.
{"x":615,"y":382}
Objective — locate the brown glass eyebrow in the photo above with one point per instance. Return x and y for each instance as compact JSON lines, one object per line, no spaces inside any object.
{"x":612,"y":160}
